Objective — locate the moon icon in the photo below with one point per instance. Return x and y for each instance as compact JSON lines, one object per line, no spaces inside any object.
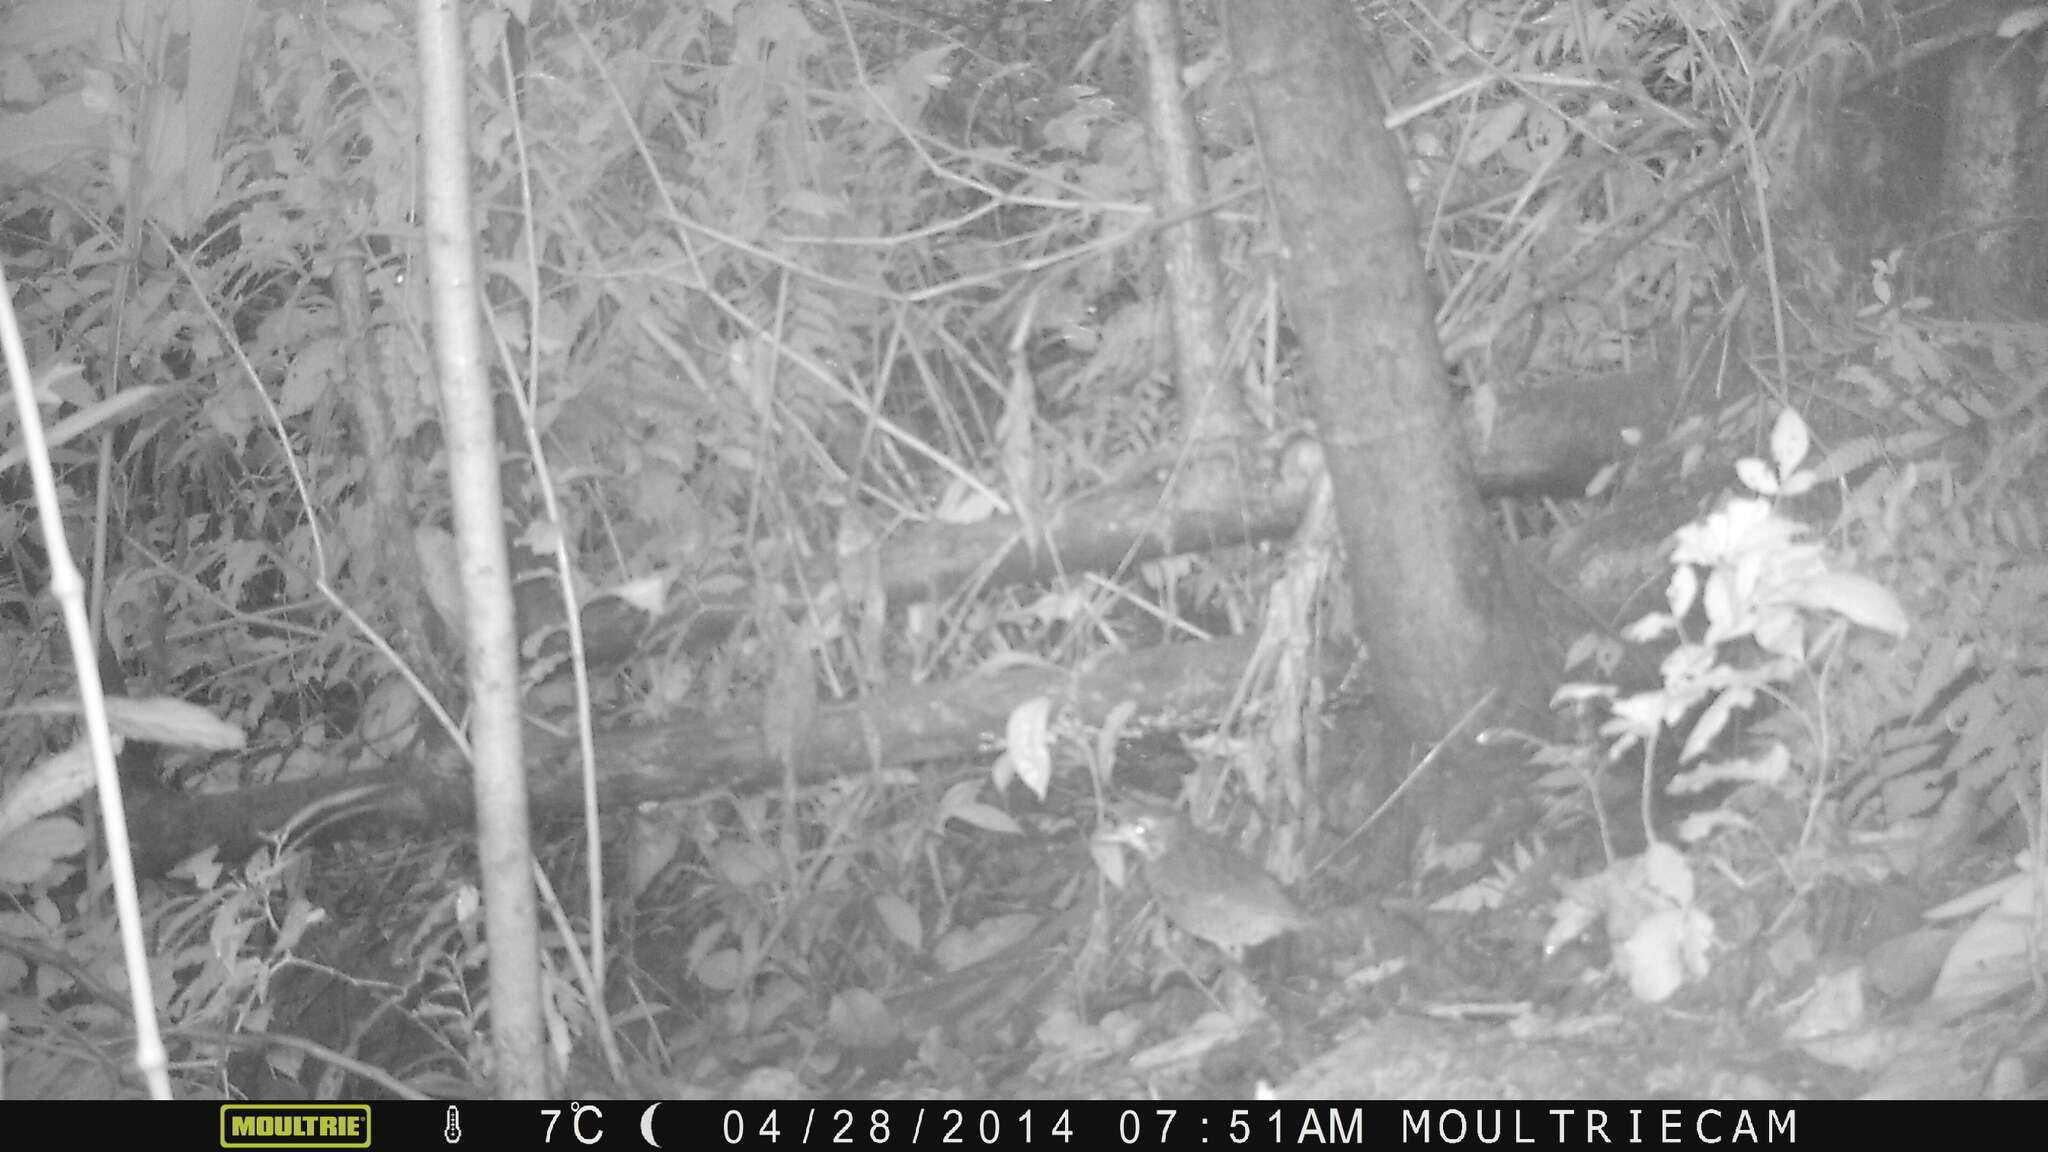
{"x":647,"y":1124}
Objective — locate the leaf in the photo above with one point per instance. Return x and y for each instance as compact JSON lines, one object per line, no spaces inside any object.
{"x":164,"y":720}
{"x":743,"y":864}
{"x":1723,"y":605}
{"x":901,"y":920}
{"x":914,"y":79}
{"x":287,"y":1062}
{"x":1789,"y":441}
{"x":1664,"y":951}
{"x":968,"y":502}
{"x":860,"y":1019}
{"x":1689,"y":460}
{"x":1683,"y":590}
{"x":1581,"y":651}
{"x":649,"y":593}
{"x":1737,"y":527}
{"x":1835,"y":1008}
{"x":1993,"y":955}
{"x":28,"y":853}
{"x":50,"y":785}
{"x":314,"y":372}
{"x":1495,"y":128}
{"x":1683,"y":670}
{"x":659,"y":832}
{"x":1577,"y":693}
{"x":440,"y":576}
{"x":961,"y":802}
{"x":1602,"y":480}
{"x":811,"y":203}
{"x":1570,"y":919}
{"x":971,"y":944}
{"x":1710,"y":725}
{"x":2023,"y":22}
{"x":1862,"y":600}
{"x":1698,"y":826}
{"x":1109,"y":859}
{"x":1654,"y":626}
{"x":1951,"y":410}
{"x":1768,"y":768}
{"x":1782,"y":632}
{"x":719,"y":971}
{"x":1756,"y":476}
{"x":1979,"y":898}
{"x":1639,"y":718}
{"x":1071,"y":130}
{"x":1485,"y":413}
{"x":1111,"y":732}
{"x":1666,"y":872}
{"x":201,"y":868}
{"x":129,"y":402}
{"x":1029,"y":752}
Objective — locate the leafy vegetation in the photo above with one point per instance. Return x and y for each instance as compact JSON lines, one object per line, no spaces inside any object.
{"x":770,"y":275}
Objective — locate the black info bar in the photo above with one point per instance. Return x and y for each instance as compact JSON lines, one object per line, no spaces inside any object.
{"x":1055,"y":1124}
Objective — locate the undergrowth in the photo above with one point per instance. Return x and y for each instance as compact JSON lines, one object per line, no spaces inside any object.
{"x":769,"y":285}
{"x":1835,"y":714}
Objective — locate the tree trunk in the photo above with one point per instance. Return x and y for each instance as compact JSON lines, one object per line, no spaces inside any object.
{"x":1980,"y":201}
{"x":1434,"y":603}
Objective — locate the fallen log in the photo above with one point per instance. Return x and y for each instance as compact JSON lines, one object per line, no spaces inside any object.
{"x":1548,"y":440}
{"x":1173,"y":688}
{"x":1551,"y":440}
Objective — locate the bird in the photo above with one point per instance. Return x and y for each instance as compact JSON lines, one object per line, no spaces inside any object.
{"x":1207,"y":888}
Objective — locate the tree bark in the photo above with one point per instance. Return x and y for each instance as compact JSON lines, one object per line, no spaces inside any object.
{"x":1436,"y":608}
{"x":1980,"y":199}
{"x":1212,"y":410}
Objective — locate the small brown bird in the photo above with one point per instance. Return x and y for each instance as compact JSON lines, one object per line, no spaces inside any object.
{"x":1205,"y":886}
